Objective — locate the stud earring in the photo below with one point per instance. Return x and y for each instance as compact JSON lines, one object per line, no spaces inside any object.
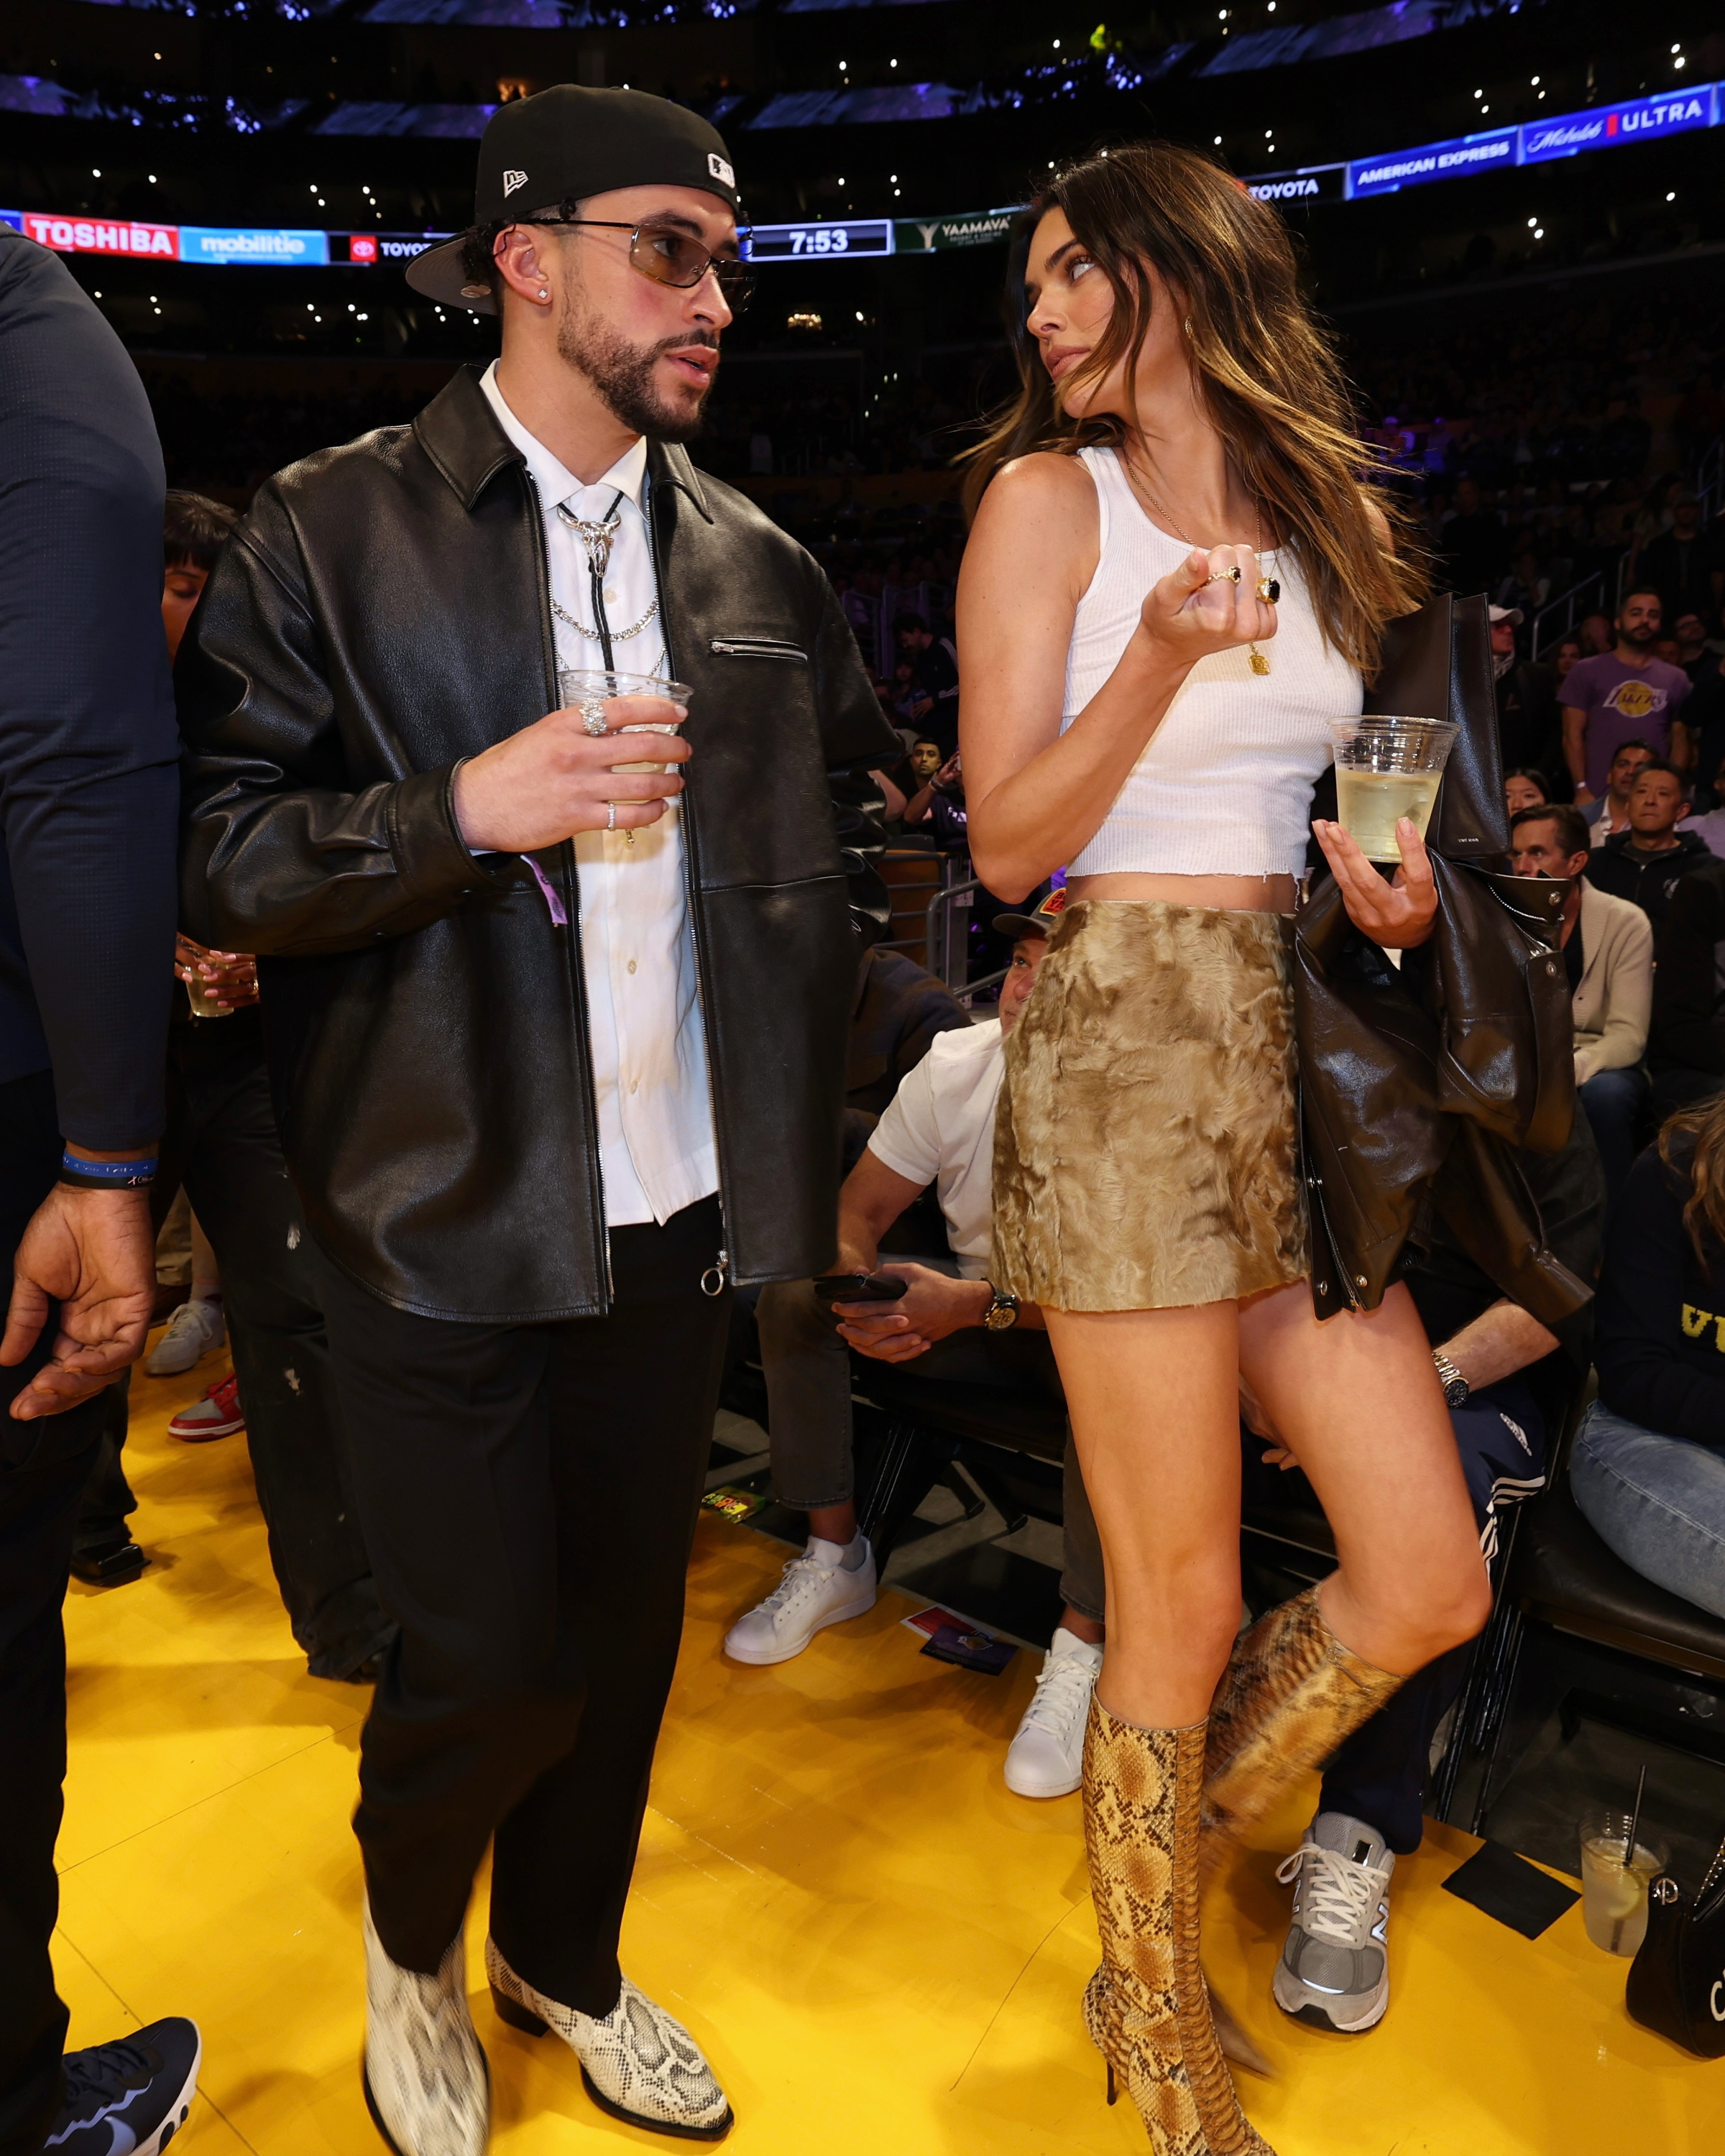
{"x":544,"y":295}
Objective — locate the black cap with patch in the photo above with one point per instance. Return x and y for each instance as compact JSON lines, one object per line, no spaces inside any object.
{"x":567,"y":143}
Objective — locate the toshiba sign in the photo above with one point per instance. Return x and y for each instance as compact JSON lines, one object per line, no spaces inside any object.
{"x":85,"y":235}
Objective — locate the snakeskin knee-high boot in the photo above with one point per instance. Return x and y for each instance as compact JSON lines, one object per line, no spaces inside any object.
{"x":1146,"y":2007}
{"x":1290,"y":1693}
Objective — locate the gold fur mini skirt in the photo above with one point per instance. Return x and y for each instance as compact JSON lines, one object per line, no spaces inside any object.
{"x":1147,"y":1143}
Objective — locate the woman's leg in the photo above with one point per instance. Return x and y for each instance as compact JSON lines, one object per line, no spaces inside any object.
{"x":1357,"y":1401}
{"x":1153,"y":1399}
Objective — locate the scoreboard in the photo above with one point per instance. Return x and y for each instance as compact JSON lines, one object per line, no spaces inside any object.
{"x":820,"y":242}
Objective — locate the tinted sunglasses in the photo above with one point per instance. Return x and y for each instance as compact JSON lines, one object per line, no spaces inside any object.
{"x":670,"y":257}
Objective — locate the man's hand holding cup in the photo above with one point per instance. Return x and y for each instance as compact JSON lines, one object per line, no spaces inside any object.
{"x":554,"y":779}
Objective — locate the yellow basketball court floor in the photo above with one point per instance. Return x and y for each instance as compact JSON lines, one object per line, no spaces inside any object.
{"x":881,"y":1948}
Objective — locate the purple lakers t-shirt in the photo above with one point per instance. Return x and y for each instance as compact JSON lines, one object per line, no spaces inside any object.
{"x":1623,"y":703}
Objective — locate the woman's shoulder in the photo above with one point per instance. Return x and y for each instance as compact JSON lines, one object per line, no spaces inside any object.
{"x":1043,"y":506}
{"x":1044,"y":481}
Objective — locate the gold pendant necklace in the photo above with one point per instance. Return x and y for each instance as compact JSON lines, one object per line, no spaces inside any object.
{"x":1269,"y":587}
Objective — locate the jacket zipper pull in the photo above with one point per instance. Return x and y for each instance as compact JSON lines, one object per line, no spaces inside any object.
{"x":713,"y":1280}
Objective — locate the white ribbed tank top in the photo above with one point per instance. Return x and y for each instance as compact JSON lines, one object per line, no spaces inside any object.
{"x":1224,"y":786}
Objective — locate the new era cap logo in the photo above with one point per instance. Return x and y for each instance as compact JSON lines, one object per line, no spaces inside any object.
{"x":511,"y":180}
{"x":720,"y":169}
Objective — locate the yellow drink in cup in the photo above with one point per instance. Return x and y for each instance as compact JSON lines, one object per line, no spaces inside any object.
{"x":1387,"y":767}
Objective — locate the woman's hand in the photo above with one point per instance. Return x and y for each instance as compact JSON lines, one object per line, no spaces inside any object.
{"x":1397,"y":916}
{"x":227,"y":979}
{"x":1210,"y":604}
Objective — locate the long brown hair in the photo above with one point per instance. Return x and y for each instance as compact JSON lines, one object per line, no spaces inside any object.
{"x":1704,"y":1215}
{"x":1266,"y":369}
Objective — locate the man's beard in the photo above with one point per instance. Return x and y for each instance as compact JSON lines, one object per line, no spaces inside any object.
{"x":623,"y":374}
{"x":1642,"y":632}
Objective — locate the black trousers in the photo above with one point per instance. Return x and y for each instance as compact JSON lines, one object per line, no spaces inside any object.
{"x":221,"y":1142}
{"x":528,"y":1494}
{"x":43,"y":1467}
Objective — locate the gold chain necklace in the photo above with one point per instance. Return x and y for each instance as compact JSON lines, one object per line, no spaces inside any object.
{"x":1269,"y":587}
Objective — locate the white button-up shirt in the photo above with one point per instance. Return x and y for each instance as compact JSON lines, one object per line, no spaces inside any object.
{"x":657,"y":1150}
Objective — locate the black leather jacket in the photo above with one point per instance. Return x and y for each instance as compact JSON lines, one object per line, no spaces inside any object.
{"x":1421,"y":1085}
{"x":383,"y":613}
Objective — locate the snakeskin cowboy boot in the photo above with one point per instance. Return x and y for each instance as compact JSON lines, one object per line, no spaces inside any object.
{"x":426,"y":2083}
{"x":1290,"y":1693}
{"x":637,"y":2062}
{"x":1146,"y":2007}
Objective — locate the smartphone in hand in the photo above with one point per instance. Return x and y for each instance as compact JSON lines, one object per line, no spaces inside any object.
{"x":859,"y":1288}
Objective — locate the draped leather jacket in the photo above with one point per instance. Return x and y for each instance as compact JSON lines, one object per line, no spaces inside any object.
{"x":1420,"y":1085}
{"x":384,"y":612}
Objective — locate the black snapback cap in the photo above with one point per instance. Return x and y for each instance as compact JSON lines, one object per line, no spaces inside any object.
{"x":567,"y":142}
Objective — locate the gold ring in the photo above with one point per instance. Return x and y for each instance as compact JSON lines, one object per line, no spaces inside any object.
{"x":1269,"y":588}
{"x":1223,"y":576}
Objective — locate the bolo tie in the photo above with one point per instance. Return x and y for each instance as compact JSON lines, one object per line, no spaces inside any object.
{"x":596,"y":540}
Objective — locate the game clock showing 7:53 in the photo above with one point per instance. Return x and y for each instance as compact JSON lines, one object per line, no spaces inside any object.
{"x":835,"y":242}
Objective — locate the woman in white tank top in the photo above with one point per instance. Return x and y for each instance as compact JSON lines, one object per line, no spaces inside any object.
{"x":1174,"y":580}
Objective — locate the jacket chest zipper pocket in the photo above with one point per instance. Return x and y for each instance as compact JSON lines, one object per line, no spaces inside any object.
{"x":756,"y":647}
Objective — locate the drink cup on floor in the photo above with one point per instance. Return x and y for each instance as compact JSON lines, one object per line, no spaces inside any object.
{"x":588,"y":688}
{"x":1387,"y":768}
{"x":1614,"y":1892}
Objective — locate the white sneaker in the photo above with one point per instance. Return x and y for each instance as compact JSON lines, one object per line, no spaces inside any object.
{"x":637,"y":2062}
{"x":193,"y":1332}
{"x":426,"y":2083}
{"x":816,"y":1590}
{"x":1047,"y":1757}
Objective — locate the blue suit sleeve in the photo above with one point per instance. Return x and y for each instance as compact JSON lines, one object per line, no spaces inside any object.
{"x":88,"y":751}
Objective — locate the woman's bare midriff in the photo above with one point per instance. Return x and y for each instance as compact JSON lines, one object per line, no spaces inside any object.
{"x":1227,"y":894}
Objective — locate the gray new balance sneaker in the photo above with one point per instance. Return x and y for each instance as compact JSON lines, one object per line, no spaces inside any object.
{"x":1334,"y":1971}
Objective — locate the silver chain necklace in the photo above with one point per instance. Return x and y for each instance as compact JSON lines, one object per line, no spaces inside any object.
{"x":596,"y":540}
{"x":617,"y":635}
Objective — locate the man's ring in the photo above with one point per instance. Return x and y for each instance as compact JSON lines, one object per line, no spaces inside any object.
{"x":610,"y":815}
{"x":1223,"y":576}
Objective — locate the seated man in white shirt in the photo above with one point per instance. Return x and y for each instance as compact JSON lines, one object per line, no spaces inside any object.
{"x":938,"y":1129}
{"x":1608,"y":952}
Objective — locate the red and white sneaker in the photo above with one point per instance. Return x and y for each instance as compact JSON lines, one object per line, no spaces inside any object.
{"x":219,"y":1413}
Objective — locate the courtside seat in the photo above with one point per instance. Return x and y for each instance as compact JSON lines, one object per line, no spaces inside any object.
{"x":1564,"y":1585}
{"x":1570,"y":1580}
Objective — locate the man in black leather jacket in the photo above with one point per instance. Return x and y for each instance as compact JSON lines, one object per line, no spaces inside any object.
{"x":558,"y":1049}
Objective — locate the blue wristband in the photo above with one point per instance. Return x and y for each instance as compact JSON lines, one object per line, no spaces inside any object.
{"x":107,"y":1174}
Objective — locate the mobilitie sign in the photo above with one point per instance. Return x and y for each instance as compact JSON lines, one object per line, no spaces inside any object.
{"x":227,"y":243}
{"x":1564,"y":135}
{"x":211,"y":244}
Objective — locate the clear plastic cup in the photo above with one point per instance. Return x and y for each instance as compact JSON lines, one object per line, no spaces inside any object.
{"x":1386,"y":769}
{"x":1613,"y":1891}
{"x":588,"y":688}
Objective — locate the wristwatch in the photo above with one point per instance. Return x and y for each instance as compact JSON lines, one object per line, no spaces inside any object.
{"x":1457,"y":1388}
{"x":1002,"y":1314}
